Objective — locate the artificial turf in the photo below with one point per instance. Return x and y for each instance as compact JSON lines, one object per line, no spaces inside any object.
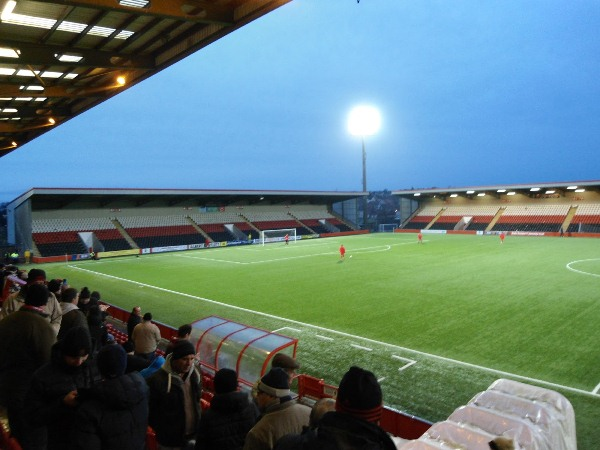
{"x":466,"y":309}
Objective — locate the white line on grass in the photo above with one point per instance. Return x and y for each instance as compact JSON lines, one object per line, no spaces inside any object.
{"x":324,"y":337}
{"x":596,"y":389}
{"x":341,"y":333}
{"x":360,"y":347}
{"x":287,"y":328}
{"x":581,"y":271}
{"x":375,"y":249}
{"x":409,"y":362}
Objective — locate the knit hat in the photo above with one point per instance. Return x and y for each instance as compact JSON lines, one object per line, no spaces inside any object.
{"x":36,"y":275}
{"x":359,"y":395}
{"x":112,"y":361}
{"x":285,"y":362}
{"x":275,"y":383}
{"x":76,"y":342}
{"x":84,"y":295}
{"x":54,"y":285}
{"x":182,"y":348}
{"x":37,"y":295}
{"x":226,"y":381}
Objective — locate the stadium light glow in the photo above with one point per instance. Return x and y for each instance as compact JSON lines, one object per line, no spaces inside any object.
{"x":501,"y":190}
{"x":534,"y":189}
{"x":511,"y":193}
{"x":453,"y":195}
{"x":551,"y":191}
{"x":470,"y":192}
{"x":572,"y":188}
{"x":580,"y":190}
{"x":481,"y":194}
{"x":364,"y":121}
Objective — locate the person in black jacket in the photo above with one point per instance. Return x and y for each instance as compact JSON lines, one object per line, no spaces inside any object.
{"x":134,"y":318}
{"x":175,"y":391}
{"x":231,"y":415}
{"x":114,"y":413}
{"x":353,"y":424}
{"x":53,"y":395}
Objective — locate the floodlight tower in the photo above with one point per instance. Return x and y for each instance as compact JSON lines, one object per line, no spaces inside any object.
{"x":364,"y":121}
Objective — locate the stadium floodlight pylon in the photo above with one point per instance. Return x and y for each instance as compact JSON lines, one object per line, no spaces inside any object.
{"x":268,"y":236}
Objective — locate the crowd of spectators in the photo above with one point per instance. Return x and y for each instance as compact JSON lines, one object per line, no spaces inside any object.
{"x":65,"y":383}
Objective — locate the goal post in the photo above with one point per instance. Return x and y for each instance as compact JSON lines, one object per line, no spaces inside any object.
{"x":268,"y":236}
{"x":387,"y":227}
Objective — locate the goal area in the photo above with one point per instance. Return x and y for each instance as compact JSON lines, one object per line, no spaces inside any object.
{"x":268,"y":236}
{"x":387,"y":227}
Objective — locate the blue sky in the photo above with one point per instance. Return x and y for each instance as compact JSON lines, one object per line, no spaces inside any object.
{"x":470,"y":93}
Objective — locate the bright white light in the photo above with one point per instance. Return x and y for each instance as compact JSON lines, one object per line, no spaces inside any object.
{"x":470,"y":192}
{"x":534,"y":189}
{"x":417,"y":194}
{"x":364,"y":121}
{"x":572,"y":188}
{"x":501,"y":190}
{"x":550,"y":192}
{"x":580,"y":190}
{"x":481,"y":194}
{"x":511,"y":193}
{"x":453,"y":195}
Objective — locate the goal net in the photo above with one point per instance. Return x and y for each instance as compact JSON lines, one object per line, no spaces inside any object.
{"x":387,"y":227}
{"x":267,"y":236}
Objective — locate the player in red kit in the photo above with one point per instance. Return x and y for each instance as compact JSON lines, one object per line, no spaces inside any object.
{"x":342,"y":251}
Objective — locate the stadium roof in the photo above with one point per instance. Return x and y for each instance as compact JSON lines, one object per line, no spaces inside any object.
{"x":60,"y":58}
{"x":58,"y":198}
{"x":532,"y":189}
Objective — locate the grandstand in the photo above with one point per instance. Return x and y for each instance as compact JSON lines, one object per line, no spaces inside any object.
{"x":77,"y":229}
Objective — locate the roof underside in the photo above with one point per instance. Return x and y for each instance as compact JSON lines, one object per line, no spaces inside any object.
{"x":56,"y":198}
{"x":532,"y":189}
{"x":61,"y":58}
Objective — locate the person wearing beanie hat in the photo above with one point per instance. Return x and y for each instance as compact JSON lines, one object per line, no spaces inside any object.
{"x":359,"y":395}
{"x":231,"y":415}
{"x":175,"y":393}
{"x":281,"y":416}
{"x":146,"y":337}
{"x":55,"y":389}
{"x":72,"y":315}
{"x":37,"y":277}
{"x":113,"y":413}
{"x":353,"y":424}
{"x":112,"y":361}
{"x":27,"y":340}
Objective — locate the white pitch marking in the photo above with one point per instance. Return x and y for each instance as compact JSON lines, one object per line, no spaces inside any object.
{"x":348,"y":335}
{"x":360,"y":347}
{"x":324,"y":337}
{"x":287,"y":328}
{"x":596,"y":389}
{"x":581,"y":271}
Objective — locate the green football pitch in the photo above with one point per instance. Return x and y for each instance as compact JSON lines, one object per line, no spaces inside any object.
{"x":437,"y":322}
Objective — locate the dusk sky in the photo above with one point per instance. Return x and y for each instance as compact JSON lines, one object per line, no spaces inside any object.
{"x":470,"y":93}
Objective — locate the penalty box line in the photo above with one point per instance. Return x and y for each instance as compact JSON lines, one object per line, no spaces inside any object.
{"x":348,"y":335}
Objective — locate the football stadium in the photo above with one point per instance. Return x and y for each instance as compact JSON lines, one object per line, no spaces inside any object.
{"x":475,"y":307}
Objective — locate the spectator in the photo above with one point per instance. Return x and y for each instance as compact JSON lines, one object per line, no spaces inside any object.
{"x":134,"y":318}
{"x":26,"y":340}
{"x":146,"y":337}
{"x":354,"y":423}
{"x":183,"y":334}
{"x":53,"y":396}
{"x":52,"y":307}
{"x":154,"y":366}
{"x":175,"y":399}
{"x":281,"y":415}
{"x":72,"y":315}
{"x":231,"y":415}
{"x":98,"y":332}
{"x":55,"y":286}
{"x":134,"y":362}
{"x":84,"y":300}
{"x":287,"y":363}
{"x":113,"y":413}
{"x":319,"y":409}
